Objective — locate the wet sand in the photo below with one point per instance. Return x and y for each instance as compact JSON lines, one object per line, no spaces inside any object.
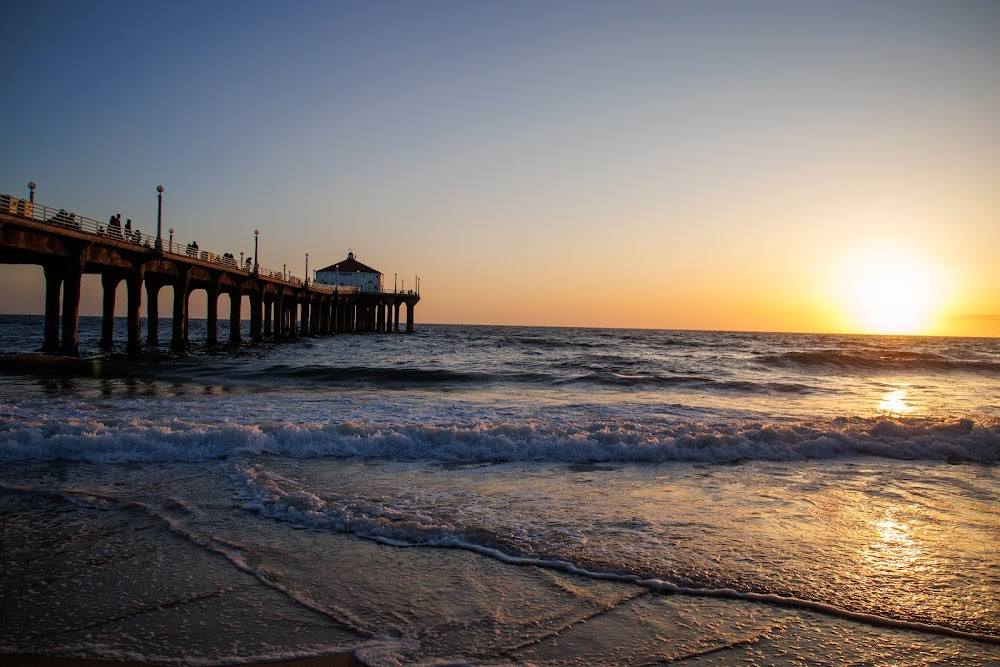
{"x":34,"y":660}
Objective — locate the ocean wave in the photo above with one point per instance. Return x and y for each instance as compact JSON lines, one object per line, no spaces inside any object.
{"x":546,"y":342}
{"x":97,"y":439}
{"x":879,"y":359}
{"x":383,"y":376}
{"x":613,"y":376}
{"x":651,"y":381}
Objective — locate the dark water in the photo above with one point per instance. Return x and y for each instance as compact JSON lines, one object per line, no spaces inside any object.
{"x":843,"y":487}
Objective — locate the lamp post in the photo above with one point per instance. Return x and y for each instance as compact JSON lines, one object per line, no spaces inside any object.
{"x":159,"y":220}
{"x":242,"y":265}
{"x":256,"y":259}
{"x":395,"y":282}
{"x":31,"y":195}
{"x":284,"y":272}
{"x":307,"y":269}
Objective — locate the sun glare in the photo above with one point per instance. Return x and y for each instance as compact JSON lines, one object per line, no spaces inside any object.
{"x":890,"y":292}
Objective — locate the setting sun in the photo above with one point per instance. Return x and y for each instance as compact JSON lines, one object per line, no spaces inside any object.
{"x":890,"y":291}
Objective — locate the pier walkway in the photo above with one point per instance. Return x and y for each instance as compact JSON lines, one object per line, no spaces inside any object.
{"x":282,"y":306}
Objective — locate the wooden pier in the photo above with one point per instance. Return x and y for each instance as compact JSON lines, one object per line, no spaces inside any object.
{"x":282,"y":307}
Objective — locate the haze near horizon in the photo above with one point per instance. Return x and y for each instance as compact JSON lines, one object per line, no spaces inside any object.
{"x":771,"y":166}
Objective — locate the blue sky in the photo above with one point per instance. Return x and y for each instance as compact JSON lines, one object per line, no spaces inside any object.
{"x":699,"y":154}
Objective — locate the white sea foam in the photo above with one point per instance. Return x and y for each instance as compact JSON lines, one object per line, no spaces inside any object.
{"x":92,"y":438}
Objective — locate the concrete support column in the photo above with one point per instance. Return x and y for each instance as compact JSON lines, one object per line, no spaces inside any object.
{"x":380,"y":316}
{"x":152,"y":313}
{"x":395,"y":322}
{"x":187,"y":313}
{"x":109,"y":283}
{"x":279,"y":315}
{"x":305,"y":316}
{"x":179,"y":338}
{"x":316,"y":316}
{"x":268,"y":304}
{"x":291,"y":313}
{"x":71,"y":311}
{"x":257,"y":314}
{"x":236,"y":305}
{"x":410,"y":305}
{"x":324,"y":315}
{"x":212,"y":312}
{"x":133,"y":284}
{"x":53,"y":286}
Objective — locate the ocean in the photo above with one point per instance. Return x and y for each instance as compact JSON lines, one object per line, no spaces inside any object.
{"x":480,"y":495}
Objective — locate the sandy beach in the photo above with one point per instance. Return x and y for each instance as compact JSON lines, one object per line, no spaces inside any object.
{"x":36,"y":660}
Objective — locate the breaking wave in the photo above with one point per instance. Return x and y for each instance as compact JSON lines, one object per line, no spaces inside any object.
{"x":880,"y":359}
{"x":123,"y":439}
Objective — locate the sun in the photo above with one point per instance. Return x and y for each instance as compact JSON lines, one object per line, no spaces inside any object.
{"x":890,"y":290}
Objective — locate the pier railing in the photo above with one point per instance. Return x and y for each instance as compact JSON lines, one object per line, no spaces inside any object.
{"x":63,"y":218}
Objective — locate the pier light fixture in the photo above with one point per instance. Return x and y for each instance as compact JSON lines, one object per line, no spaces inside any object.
{"x":242,"y":265}
{"x":284,"y":271}
{"x":307,"y":269}
{"x":256,"y":259}
{"x":159,"y":219}
{"x":31,"y":195}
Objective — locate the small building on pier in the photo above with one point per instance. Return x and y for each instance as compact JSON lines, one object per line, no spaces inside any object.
{"x":351,"y":273}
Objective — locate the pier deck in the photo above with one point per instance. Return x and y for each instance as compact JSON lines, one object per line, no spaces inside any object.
{"x":67,"y":246}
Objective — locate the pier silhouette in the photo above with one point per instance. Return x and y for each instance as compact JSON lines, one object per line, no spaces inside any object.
{"x":282,"y":306}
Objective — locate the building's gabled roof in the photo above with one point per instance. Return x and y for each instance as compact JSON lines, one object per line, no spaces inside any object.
{"x":349,"y":265}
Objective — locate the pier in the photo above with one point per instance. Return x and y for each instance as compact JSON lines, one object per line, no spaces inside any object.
{"x":282,"y":307}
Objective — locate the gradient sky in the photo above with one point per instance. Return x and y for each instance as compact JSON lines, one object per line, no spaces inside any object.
{"x":707,"y":165}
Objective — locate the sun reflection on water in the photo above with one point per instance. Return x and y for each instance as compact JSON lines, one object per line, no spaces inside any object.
{"x":894,"y":402}
{"x":895,"y":552}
